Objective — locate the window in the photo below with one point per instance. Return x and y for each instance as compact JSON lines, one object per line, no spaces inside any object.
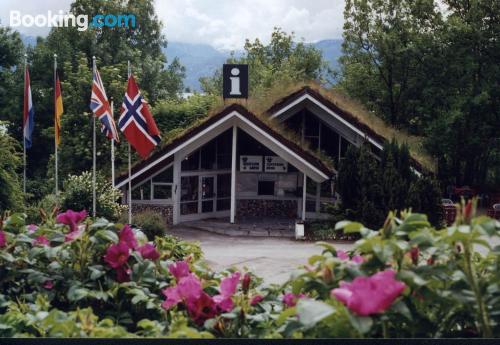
{"x":266,"y":188}
{"x":208,"y":156}
{"x":224,"y":149}
{"x":142,"y":192}
{"x":191,"y":162}
{"x":162,"y":184}
{"x":189,"y":194}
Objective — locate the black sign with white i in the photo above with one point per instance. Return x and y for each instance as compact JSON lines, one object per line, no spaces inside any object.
{"x":235,"y":81}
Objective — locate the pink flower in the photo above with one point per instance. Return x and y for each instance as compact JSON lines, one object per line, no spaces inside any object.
{"x":369,"y":295}
{"x":127,"y":236}
{"x":148,"y":251}
{"x":256,"y":300}
{"x":173,"y":297}
{"x":48,"y":284}
{"x":117,"y":255}
{"x":179,"y":269}
{"x":41,"y":241}
{"x":342,"y":255}
{"x":123,"y":274}
{"x":190,"y":287}
{"x":290,"y":299}
{"x":358,"y":259}
{"x":245,"y":284}
{"x":3,"y":239}
{"x":228,"y":287}
{"x":31,"y":228}
{"x":71,"y":218}
{"x":201,"y":309}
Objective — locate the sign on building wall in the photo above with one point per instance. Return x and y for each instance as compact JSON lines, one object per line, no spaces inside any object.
{"x":235,"y":81}
{"x":275,"y":164}
{"x":251,"y":163}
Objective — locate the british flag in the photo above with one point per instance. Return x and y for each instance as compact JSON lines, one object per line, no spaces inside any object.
{"x":100,"y":106}
{"x":136,"y":121}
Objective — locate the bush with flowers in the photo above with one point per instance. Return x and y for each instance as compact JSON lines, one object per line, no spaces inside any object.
{"x":71,"y":276}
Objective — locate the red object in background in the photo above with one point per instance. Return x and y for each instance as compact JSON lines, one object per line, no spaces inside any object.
{"x":465,"y":191}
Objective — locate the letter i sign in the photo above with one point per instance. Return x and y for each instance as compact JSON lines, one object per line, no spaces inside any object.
{"x":235,"y":81}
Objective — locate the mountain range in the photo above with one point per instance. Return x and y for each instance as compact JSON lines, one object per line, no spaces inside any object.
{"x":202,"y":60}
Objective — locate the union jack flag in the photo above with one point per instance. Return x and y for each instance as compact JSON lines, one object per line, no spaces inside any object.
{"x":136,"y":121}
{"x":100,"y":106}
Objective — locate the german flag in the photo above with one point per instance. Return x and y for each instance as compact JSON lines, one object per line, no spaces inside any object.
{"x":58,"y":110}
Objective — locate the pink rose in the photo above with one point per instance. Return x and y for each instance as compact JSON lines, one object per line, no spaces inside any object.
{"x":71,"y":218}
{"x":256,"y":300}
{"x":41,"y":241}
{"x":179,"y":269}
{"x":117,"y":255}
{"x":290,"y":299}
{"x":148,"y":251}
{"x":3,"y":239}
{"x":369,"y":295}
{"x":127,"y":236}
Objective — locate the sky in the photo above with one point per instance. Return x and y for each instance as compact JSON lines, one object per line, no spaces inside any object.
{"x":223,"y":24}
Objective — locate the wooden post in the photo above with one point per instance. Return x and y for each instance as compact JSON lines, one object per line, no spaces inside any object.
{"x":233,"y":175}
{"x":176,"y":193}
{"x":304,"y":195}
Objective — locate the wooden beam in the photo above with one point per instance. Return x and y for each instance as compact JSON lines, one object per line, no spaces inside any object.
{"x":304,"y":195}
{"x":233,"y":175}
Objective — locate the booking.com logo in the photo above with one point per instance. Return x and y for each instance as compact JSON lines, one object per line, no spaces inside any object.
{"x":80,"y":21}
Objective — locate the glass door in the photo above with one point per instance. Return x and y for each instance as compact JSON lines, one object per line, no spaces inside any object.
{"x":207,"y":194}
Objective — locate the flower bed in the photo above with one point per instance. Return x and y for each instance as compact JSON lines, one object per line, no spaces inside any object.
{"x":74,"y":277}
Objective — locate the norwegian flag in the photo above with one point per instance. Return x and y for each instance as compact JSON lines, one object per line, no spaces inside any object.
{"x":29,"y":112}
{"x":136,"y":121}
{"x":100,"y":106}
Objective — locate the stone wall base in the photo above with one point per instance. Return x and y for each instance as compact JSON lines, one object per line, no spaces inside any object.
{"x":266,"y":208}
{"x":167,"y":211}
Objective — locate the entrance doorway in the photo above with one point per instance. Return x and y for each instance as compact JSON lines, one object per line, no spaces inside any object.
{"x":205,"y":196}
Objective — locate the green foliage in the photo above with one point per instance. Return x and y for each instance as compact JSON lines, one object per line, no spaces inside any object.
{"x":10,"y":164}
{"x":435,"y":75}
{"x":283,"y":59}
{"x":370,"y":189}
{"x":152,"y":223}
{"x":66,"y":289}
{"x":77,"y":195}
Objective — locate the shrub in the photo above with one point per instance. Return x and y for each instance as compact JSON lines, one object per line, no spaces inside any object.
{"x":77,"y":195}
{"x":151,"y":223}
{"x":72,"y":276}
{"x":11,"y":196}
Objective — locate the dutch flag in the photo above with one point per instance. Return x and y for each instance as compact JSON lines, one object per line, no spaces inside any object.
{"x":29,"y":112}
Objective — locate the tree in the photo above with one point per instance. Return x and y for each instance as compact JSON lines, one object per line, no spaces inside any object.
{"x":113,"y":47}
{"x":10,"y":191}
{"x":370,"y":188}
{"x":282,"y":59}
{"x":434,"y":75}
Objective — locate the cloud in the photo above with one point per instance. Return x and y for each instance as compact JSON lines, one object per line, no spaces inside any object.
{"x":224,"y":24}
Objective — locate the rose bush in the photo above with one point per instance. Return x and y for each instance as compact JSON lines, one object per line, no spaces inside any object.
{"x":71,"y":276}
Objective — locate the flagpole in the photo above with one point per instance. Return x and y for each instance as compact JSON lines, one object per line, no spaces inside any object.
{"x":129,"y":196}
{"x":24,"y":127}
{"x":93,"y":153}
{"x":112,"y":149}
{"x":55,"y":125}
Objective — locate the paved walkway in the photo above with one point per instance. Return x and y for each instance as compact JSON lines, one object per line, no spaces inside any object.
{"x":273,"y":259}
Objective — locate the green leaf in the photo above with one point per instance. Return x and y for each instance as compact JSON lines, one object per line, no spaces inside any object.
{"x":285,"y":314}
{"x":107,"y":235}
{"x":310,"y":311}
{"x":362,"y":324}
{"x":401,"y":308}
